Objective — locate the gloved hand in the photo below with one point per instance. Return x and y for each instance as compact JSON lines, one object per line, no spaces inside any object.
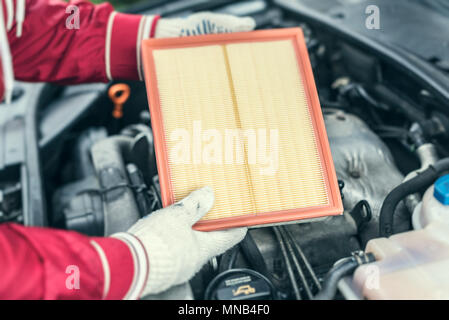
{"x":202,"y":23}
{"x":175,"y":251}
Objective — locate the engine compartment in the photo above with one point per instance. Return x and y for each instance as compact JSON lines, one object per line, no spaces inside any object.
{"x":99,"y":173}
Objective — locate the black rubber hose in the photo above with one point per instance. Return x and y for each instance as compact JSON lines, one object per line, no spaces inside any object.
{"x":342,"y":268}
{"x":423,"y":179}
{"x":228,"y":259}
{"x":411,"y":111}
{"x":337,"y":272}
{"x":254,"y":256}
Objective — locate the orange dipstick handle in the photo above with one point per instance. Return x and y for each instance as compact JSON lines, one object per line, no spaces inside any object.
{"x":119,"y":93}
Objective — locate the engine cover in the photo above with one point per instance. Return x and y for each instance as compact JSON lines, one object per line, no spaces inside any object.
{"x":366,"y":166}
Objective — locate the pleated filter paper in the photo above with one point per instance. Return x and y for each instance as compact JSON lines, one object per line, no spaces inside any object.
{"x":240,"y":113}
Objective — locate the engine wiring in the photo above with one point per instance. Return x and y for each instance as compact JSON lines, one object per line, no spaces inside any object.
{"x":288,"y":265}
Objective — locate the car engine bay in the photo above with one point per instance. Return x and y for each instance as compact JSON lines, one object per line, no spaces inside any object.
{"x":82,"y":169}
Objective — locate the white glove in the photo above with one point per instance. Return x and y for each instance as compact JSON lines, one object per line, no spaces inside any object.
{"x":202,"y":23}
{"x":175,"y":251}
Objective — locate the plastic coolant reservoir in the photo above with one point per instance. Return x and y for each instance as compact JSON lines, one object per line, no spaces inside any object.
{"x":434,"y":206}
{"x":415,"y":264}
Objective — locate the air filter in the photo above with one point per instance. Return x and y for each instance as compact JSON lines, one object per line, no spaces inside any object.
{"x":240,"y":113}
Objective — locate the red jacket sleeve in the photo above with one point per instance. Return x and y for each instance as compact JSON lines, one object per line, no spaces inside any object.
{"x":52,"y":48}
{"x":39,"y":263}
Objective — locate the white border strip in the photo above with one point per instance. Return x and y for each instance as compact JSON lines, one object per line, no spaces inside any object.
{"x":10,"y":13}
{"x":143,"y":22}
{"x":145,"y":35}
{"x":106,"y":269}
{"x":6,"y":59}
{"x":140,"y":264}
{"x":147,"y":29}
{"x":107,"y":50}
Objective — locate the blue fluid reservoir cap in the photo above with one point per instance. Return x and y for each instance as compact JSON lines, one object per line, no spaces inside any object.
{"x":441,"y":190}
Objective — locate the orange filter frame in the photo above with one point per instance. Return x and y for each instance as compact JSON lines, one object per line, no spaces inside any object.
{"x":153,"y":48}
